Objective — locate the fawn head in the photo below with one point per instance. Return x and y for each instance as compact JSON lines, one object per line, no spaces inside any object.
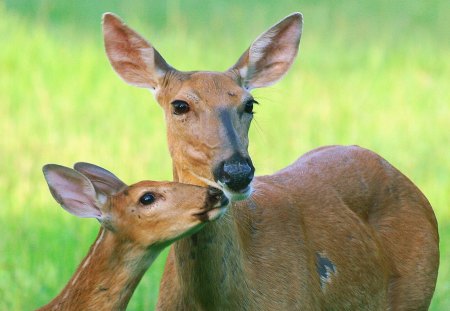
{"x":208,"y":114}
{"x":147,"y":213}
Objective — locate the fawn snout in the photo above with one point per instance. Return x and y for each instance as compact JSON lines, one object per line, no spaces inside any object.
{"x":216,"y":197}
{"x":216,"y":204}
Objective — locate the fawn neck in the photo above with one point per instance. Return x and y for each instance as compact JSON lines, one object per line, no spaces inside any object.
{"x":210,"y":264}
{"x":106,"y":278}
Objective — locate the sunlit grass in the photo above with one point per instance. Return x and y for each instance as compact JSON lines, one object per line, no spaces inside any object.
{"x":373,"y":74}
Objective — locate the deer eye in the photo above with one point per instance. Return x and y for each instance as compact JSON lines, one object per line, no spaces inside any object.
{"x":248,"y":107}
{"x":180,"y":107}
{"x":147,"y":198}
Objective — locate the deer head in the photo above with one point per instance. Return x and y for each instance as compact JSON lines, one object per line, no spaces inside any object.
{"x":146,"y":213}
{"x":208,"y":114}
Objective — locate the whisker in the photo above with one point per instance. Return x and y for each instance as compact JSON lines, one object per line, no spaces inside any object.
{"x":207,"y":181}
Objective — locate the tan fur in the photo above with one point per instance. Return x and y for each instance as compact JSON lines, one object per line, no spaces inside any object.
{"x":131,"y":237}
{"x":339,"y":229}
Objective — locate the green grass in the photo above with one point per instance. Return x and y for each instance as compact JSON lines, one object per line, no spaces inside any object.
{"x":376,"y":74}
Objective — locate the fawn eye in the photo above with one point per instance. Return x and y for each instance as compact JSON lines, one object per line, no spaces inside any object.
{"x":147,"y":198}
{"x":180,"y":107}
{"x":248,"y":108}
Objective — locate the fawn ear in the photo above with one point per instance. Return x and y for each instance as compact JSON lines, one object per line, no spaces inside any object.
{"x":72,"y":190}
{"x":271,"y":55}
{"x":104,"y":181}
{"x":131,"y":56}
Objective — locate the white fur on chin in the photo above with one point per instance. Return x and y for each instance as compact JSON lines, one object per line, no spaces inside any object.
{"x":236,"y":196}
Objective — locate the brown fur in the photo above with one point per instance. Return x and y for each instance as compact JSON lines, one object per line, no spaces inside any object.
{"x":346,"y":202}
{"x":339,"y":229}
{"x":107,"y":281}
{"x":132,"y":234}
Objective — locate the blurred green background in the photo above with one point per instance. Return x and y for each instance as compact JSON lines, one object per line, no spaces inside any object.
{"x":372,"y":73}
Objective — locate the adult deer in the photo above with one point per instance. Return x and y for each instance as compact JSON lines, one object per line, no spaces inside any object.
{"x":137,"y":222}
{"x":339,"y":229}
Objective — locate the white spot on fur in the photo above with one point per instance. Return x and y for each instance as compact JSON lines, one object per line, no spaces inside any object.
{"x":325,"y":268}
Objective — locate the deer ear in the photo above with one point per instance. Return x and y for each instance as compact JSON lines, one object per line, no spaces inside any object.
{"x":73,"y":191}
{"x":105,"y":182}
{"x":271,"y":55}
{"x":131,"y":56}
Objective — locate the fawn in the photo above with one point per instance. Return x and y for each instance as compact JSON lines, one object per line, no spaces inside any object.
{"x":137,"y":222}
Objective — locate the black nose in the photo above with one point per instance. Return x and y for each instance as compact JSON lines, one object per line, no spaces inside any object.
{"x":215,"y":196}
{"x":236,"y":172}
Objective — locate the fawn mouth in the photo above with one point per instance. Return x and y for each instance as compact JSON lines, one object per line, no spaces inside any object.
{"x":214,"y":212}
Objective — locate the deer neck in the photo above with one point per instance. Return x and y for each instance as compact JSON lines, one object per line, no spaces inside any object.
{"x":210,"y":265}
{"x":106,"y":278}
